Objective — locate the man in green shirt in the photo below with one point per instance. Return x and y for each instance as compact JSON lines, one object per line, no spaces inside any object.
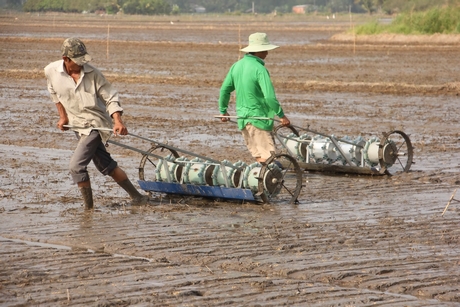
{"x":255,"y":98}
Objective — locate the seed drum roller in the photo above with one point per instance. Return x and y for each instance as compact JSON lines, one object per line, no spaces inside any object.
{"x":163,"y":170}
{"x":317,"y":151}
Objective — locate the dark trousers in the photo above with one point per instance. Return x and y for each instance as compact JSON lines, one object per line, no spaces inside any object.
{"x":90,"y":147}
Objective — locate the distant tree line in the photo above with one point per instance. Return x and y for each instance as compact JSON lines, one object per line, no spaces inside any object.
{"x":143,"y":7}
{"x":152,"y":7}
{"x":268,"y":6}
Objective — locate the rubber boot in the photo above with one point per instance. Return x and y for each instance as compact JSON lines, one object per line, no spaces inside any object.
{"x":137,"y":198}
{"x":87,"y":193}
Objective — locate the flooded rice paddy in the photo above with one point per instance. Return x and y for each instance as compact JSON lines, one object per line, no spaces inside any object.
{"x":353,"y":240}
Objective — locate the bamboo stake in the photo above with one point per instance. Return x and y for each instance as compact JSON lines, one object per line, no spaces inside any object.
{"x":353,"y":31}
{"x":108,"y":34}
{"x":239,"y":41}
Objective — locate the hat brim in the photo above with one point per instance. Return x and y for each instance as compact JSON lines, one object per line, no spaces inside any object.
{"x":259,"y":48}
{"x":80,"y":61}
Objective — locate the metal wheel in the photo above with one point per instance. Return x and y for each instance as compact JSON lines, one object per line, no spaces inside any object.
{"x":395,"y":153}
{"x":287,"y":136}
{"x":281,"y":133}
{"x":280,"y":177}
{"x":149,"y":163}
{"x":285,"y":130}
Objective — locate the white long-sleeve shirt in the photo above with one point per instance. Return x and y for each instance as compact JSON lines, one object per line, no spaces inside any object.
{"x":89,"y":103}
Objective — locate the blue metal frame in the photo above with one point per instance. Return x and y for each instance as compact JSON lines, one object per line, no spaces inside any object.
{"x":197,"y":190}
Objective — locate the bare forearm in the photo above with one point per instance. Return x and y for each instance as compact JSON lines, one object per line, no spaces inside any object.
{"x":61,"y":110}
{"x":116,"y":116}
{"x":63,"y":119}
{"x":118,"y":126}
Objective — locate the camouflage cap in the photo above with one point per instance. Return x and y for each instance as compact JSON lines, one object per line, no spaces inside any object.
{"x":74,"y":49}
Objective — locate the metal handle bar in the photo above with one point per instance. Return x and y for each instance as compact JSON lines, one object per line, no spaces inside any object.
{"x":331,"y":137}
{"x":152,"y":141}
{"x":298,"y":127}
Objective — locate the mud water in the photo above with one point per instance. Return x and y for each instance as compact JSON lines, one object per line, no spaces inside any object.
{"x":353,"y":240}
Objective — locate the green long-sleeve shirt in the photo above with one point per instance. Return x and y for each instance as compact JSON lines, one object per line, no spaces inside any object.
{"x":255,"y":95}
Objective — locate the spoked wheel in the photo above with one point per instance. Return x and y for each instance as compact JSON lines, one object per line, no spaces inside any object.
{"x":150,"y":160}
{"x":288,"y":137}
{"x":280,"y":177}
{"x":395,"y":152}
{"x":285,"y":130}
{"x":282,"y":133}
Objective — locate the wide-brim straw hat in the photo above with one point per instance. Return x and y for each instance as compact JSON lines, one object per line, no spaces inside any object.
{"x":258,"y":42}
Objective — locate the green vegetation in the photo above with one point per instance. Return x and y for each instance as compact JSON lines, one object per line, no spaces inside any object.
{"x":444,"y":21}
{"x":147,"y":7}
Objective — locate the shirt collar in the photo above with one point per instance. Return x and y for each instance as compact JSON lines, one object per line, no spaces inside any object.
{"x":86,"y":68}
{"x":255,"y":57}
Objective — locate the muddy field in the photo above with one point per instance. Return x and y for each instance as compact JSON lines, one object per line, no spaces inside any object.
{"x":351,"y":241}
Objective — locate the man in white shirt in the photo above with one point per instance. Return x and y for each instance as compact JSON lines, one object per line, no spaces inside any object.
{"x":86,"y":100}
